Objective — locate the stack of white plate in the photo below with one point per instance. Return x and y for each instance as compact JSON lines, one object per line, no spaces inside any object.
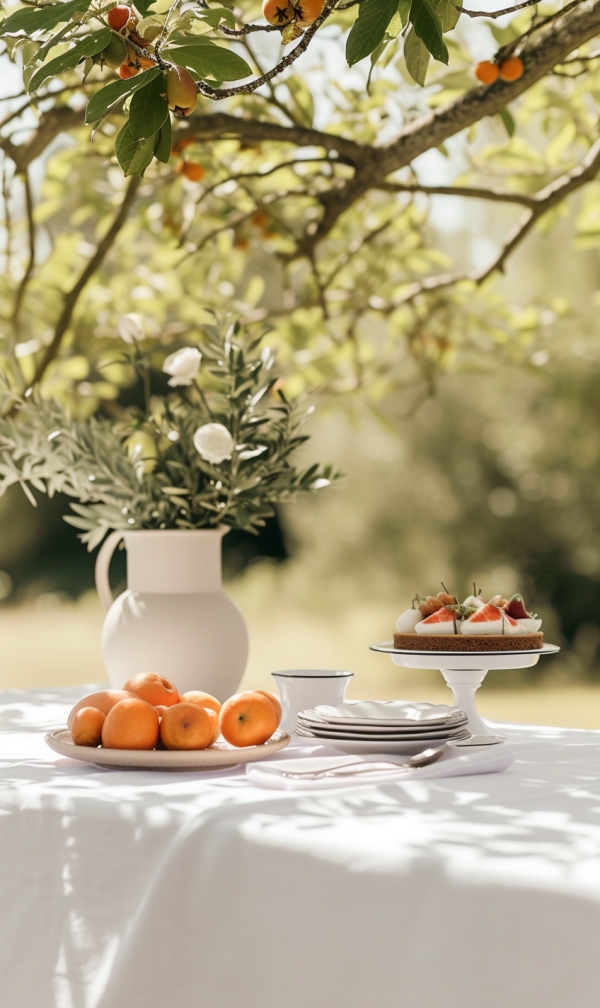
{"x":371,"y":726}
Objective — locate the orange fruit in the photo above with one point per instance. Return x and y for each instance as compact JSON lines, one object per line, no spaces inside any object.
{"x":153,"y":688}
{"x":125,"y":71}
{"x":248,"y":719}
{"x":278,"y":12}
{"x":131,"y":724}
{"x":486,"y":72}
{"x":202,"y":699}
{"x":214,"y":723}
{"x":118,"y":17}
{"x":192,"y":171}
{"x":186,"y":726}
{"x":274,"y":700}
{"x":86,"y":726}
{"x":160,"y":709}
{"x":511,"y":69}
{"x":308,"y":11}
{"x":103,"y":701}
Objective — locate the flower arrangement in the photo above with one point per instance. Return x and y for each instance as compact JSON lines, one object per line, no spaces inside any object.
{"x":214,"y":450}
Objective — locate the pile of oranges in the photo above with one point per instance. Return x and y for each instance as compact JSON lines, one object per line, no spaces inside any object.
{"x":148,"y":713}
{"x":507,"y":70}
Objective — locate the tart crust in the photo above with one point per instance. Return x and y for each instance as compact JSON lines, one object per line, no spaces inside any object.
{"x":468,"y":642}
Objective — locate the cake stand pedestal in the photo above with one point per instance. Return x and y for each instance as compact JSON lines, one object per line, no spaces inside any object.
{"x":464,"y":671}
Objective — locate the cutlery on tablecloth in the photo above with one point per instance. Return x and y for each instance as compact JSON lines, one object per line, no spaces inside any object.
{"x":372,"y":767}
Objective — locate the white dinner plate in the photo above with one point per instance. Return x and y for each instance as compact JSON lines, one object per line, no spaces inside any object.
{"x":394,"y":712}
{"x":382,"y":728}
{"x":364,"y":748}
{"x":357,"y":736}
{"x":389,"y":737}
{"x":219,"y":755}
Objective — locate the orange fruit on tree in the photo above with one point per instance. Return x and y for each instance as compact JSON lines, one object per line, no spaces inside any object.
{"x":486,"y":72}
{"x":511,"y":69}
{"x":86,"y":726}
{"x":126,"y":71}
{"x":131,"y":724}
{"x":145,"y":62}
{"x":308,"y":11}
{"x":274,"y":700}
{"x":248,"y":719}
{"x":202,"y":699}
{"x":153,"y":688}
{"x":182,"y":93}
{"x":192,"y":171}
{"x":103,"y":701}
{"x":118,"y":17}
{"x":278,"y":12}
{"x":186,"y":726}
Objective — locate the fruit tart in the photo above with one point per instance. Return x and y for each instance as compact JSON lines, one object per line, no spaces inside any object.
{"x":441,"y":623}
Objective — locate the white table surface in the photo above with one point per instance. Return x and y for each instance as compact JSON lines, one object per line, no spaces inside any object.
{"x":155,"y":890}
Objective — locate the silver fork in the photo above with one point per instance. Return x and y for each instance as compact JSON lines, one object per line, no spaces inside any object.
{"x":362,"y":768}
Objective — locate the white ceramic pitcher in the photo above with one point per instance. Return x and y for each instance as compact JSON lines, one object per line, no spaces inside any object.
{"x":174,"y":617}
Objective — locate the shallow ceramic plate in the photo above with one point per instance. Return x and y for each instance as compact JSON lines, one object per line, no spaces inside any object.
{"x":221,"y":754}
{"x":383,"y":736}
{"x":395,"y":712}
{"x":364,"y":748}
{"x":389,"y":727}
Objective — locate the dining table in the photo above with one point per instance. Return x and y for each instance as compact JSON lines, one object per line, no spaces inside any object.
{"x":144,"y":889}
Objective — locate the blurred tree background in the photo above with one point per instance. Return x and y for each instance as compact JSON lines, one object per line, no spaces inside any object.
{"x":461,"y":404}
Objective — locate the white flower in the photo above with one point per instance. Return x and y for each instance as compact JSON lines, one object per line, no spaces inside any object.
{"x":184,"y":365}
{"x":131,"y":328}
{"x":213,"y":442}
{"x":319,"y":484}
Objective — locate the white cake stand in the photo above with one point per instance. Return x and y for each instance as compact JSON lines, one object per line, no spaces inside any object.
{"x":463,"y":671}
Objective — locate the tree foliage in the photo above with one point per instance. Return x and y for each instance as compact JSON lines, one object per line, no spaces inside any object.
{"x":299,"y":197}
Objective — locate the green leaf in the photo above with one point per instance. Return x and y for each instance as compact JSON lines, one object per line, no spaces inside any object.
{"x":142,"y":7}
{"x":134,"y":156}
{"x":404,"y":11}
{"x":30,"y":21}
{"x":507,"y":119}
{"x":148,"y":110}
{"x":165,"y":142}
{"x":448,"y":14}
{"x":369,"y":28}
{"x":416,"y":57}
{"x":209,"y":60}
{"x":302,"y":98}
{"x":215,"y":15}
{"x":88,"y":46}
{"x":426,"y":23}
{"x":395,"y":26}
{"x":104,"y":100}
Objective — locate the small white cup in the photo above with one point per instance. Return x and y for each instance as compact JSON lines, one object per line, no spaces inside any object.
{"x":301,"y":689}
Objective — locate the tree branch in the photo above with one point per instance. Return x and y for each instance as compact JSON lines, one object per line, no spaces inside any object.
{"x":550,"y":46}
{"x":471,"y":191}
{"x":20,"y":292}
{"x":543,"y":201}
{"x":71,"y":298}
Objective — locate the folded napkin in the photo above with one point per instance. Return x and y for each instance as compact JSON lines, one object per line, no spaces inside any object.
{"x":455,"y":762}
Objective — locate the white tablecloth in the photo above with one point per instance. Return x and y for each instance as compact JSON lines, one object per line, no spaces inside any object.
{"x":142,"y":890}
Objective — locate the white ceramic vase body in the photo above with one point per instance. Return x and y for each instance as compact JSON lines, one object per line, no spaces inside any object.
{"x":174,"y":618}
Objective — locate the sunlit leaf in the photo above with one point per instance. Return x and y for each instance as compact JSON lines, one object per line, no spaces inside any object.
{"x":109,"y":97}
{"x":89,"y":46}
{"x":369,"y":28}
{"x":416,"y":57}
{"x":148,"y":110}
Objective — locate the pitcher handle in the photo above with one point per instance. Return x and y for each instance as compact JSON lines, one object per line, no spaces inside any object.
{"x":102,"y":566}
